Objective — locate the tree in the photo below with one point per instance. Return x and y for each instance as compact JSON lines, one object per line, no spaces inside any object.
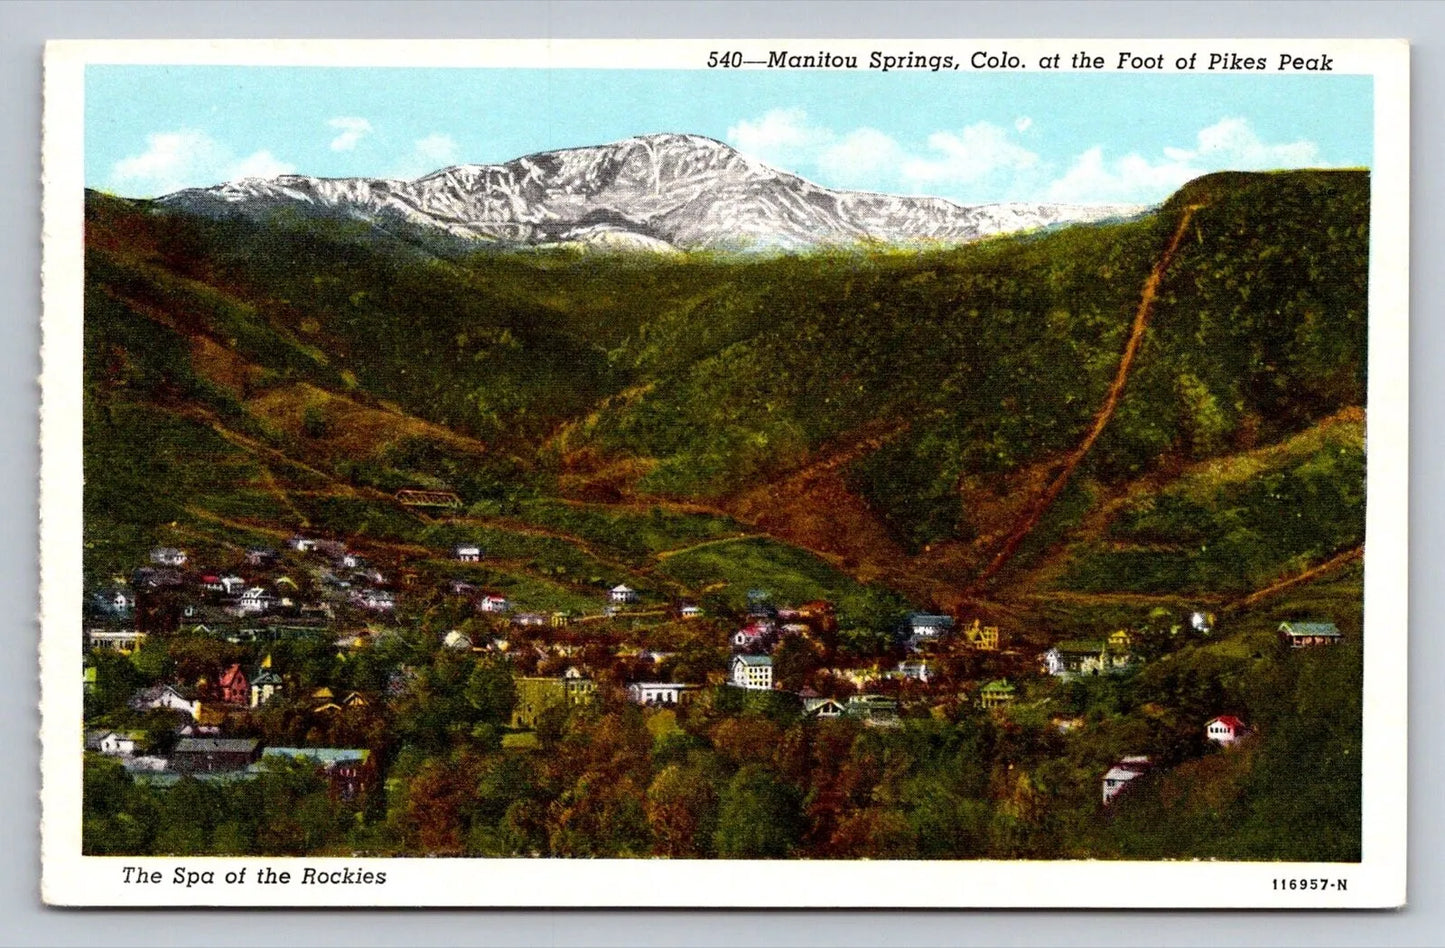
{"x":759,"y":818}
{"x":682,"y":812}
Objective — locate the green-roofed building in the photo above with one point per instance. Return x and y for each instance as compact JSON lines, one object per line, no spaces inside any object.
{"x":997,"y":694}
{"x":1309,"y":634}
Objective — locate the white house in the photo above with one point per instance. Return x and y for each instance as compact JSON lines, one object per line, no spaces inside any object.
{"x":493,"y":604}
{"x":168,"y":556}
{"x":691,"y":612}
{"x":255,"y":600}
{"x":116,"y":744}
{"x":925,"y":625}
{"x":915,"y":670}
{"x":1225,"y":729}
{"x":469,"y":553}
{"x":457,"y":641}
{"x":623,"y":594}
{"x":754,"y":672}
{"x":162,"y":696}
{"x":351,"y":561}
{"x":301,"y":544}
{"x":1119,"y":776}
{"x":378,"y":600}
{"x":659,"y":692}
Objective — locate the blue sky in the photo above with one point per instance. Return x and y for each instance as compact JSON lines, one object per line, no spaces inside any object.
{"x":972,"y":137}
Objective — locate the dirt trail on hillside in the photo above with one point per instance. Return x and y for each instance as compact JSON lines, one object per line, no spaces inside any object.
{"x":1036,"y":510}
{"x":1314,"y":572}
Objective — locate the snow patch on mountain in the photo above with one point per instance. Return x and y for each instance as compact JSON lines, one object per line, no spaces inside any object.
{"x":652,"y":192}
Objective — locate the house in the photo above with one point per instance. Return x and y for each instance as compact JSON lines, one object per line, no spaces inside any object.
{"x":1120,"y":641}
{"x":1121,"y":774}
{"x":168,"y":556}
{"x":350,"y":561}
{"x":560,"y":620}
{"x":916,"y":670}
{"x":235,"y":688}
{"x":301,"y":544}
{"x":113,"y":743}
{"x":493,"y":604}
{"x":622,"y":594}
{"x":457,"y":641}
{"x":124,"y":641}
{"x":260,"y":556}
{"x":255,"y":601}
{"x":348,"y":772}
{"x":378,"y":600}
{"x":691,"y":612}
{"x":754,"y":672}
{"x":537,"y":695}
{"x":997,"y":694}
{"x":530,"y":619}
{"x":1201,"y":622}
{"x":982,"y":637}
{"x":923,"y":631}
{"x":230,"y":585}
{"x":1309,"y":634}
{"x":460,"y":587}
{"x":659,"y":693}
{"x":1066,"y":659}
{"x":469,"y":553}
{"x":265,"y":684}
{"x":1084,"y":657}
{"x":755,"y":636}
{"x":200,"y":755}
{"x":1225,"y":729}
{"x":324,"y":699}
{"x":876,"y":710}
{"x":111,"y":602}
{"x":825,"y":708}
{"x":162,"y":696}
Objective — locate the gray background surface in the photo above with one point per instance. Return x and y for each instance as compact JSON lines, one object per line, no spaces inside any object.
{"x":24,"y":26}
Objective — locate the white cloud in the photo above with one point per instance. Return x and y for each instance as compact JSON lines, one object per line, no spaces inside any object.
{"x":428,"y":154}
{"x":1023,"y":123}
{"x":976,"y":153}
{"x":351,"y":128}
{"x":185,"y":159}
{"x":1229,"y":144}
{"x":868,"y":158}
{"x":780,"y":137}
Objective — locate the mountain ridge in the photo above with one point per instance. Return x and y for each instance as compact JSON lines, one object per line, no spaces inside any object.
{"x":653,"y":192}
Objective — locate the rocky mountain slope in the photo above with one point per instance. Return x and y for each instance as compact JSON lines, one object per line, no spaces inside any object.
{"x":657,"y":192}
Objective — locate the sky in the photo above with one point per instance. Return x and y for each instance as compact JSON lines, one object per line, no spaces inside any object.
{"x":969,"y":136}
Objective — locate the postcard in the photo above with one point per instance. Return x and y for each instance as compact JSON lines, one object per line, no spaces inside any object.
{"x":725,"y":473}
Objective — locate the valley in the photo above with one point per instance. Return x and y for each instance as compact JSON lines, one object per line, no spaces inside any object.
{"x":1149,"y":426}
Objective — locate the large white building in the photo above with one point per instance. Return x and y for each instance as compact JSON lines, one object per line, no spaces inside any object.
{"x":754,"y":672}
{"x":659,"y":692}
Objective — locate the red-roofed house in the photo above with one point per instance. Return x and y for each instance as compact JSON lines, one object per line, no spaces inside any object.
{"x":235,"y":689}
{"x":1225,"y":729}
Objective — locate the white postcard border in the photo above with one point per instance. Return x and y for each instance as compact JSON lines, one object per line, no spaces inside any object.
{"x":68,"y":878}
